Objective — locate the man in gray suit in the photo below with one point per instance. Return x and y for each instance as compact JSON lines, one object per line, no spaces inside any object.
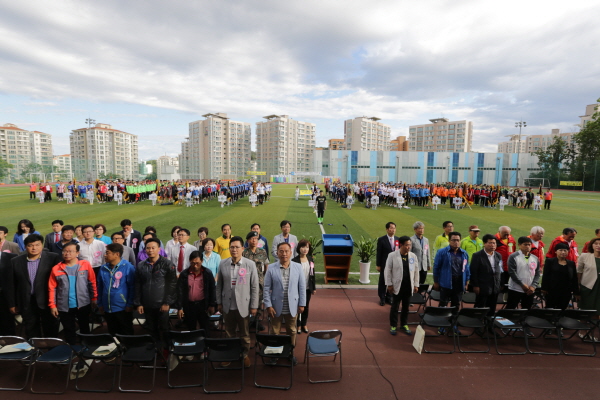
{"x":285,"y":237}
{"x":54,"y":236}
{"x":5,"y":245}
{"x":420,"y":247}
{"x":285,"y":292}
{"x":237,"y":294}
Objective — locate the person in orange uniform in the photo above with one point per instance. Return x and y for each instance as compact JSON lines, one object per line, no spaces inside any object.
{"x":452,"y":195}
{"x":547,"y":199}
{"x":32,"y":190}
{"x":506,"y":245}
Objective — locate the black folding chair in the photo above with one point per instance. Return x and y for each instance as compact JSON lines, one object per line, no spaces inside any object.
{"x":266,"y":348}
{"x":578,"y":321}
{"x":439,"y":317}
{"x":185,"y":344}
{"x":90,"y":345}
{"x":137,"y":350}
{"x":544,"y":319}
{"x":223,"y":350}
{"x":507,"y":321}
{"x":323,"y":344}
{"x":419,"y":299}
{"x":23,"y":354}
{"x":467,"y":298}
{"x":475,"y":319}
{"x":433,"y":295}
{"x":52,"y":351}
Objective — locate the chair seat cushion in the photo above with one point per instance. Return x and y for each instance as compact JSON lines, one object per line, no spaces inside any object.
{"x":139,"y":354}
{"x":417,"y":299}
{"x":58,"y":354}
{"x":17,"y":355}
{"x":287,"y":351}
{"x":188,"y":350}
{"x":469,"y":322}
{"x":573,"y":324}
{"x":540,"y":323}
{"x":223,"y":355}
{"x":322,"y":346}
{"x":432,"y":320}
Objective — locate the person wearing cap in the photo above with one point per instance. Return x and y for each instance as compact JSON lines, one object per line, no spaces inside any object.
{"x":472,"y":243}
{"x":567,"y":237}
{"x":560,"y":279}
{"x":261,"y":259}
{"x":524,"y":272}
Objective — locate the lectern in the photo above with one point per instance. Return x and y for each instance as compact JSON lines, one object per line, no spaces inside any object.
{"x":337,"y":252}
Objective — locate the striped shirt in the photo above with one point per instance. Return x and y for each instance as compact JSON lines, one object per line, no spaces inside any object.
{"x":32,"y":267}
{"x":285,"y":279}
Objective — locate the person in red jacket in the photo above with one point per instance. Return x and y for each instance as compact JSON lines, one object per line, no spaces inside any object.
{"x":72,"y":292}
{"x":587,"y":244}
{"x":568,"y":237}
{"x":506,"y":245}
{"x":537,"y":246}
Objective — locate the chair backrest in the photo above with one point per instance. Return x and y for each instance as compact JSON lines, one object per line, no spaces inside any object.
{"x":423,"y":288}
{"x":187,"y":336}
{"x":8,"y":340}
{"x":223,"y":344}
{"x":549,"y":314}
{"x":514,"y":315}
{"x":274,"y":340}
{"x":90,"y":340}
{"x":327,"y":334}
{"x":479,"y":313}
{"x":440,"y":311}
{"x":581,"y":315}
{"x":133,"y":341}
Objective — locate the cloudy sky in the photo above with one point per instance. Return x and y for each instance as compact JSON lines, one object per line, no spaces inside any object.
{"x":151,"y":67}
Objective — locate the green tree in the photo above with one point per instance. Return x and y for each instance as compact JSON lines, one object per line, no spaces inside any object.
{"x":556,"y":157}
{"x":4,"y":167}
{"x":32,"y":168}
{"x":110,"y":176}
{"x":588,"y":151}
{"x":151,"y":176}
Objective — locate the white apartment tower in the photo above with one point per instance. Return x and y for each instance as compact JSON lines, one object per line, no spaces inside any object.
{"x":366,"y":133}
{"x":216,"y":148}
{"x":21,"y":147}
{"x":441,"y":135}
{"x":102,"y":150}
{"x":62,"y":164}
{"x":284,"y":145}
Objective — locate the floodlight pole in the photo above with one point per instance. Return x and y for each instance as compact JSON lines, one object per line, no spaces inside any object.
{"x":520,"y":125}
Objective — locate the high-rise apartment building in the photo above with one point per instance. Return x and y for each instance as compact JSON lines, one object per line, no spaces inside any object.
{"x":399,"y":144}
{"x":216,"y":148}
{"x":336,"y":144}
{"x":62,"y":165}
{"x":366,"y":133}
{"x":167,"y":168}
{"x":536,"y":142}
{"x":441,"y":135}
{"x":516,"y":144}
{"x":21,"y":147}
{"x":101,"y":150}
{"x":590,"y":110}
{"x":284,"y":145}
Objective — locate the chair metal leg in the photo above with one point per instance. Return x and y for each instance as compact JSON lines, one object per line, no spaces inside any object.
{"x":24,"y":383}
{"x":590,"y":331}
{"x":473,"y":351}
{"x":66,"y":384}
{"x":503,"y":354}
{"x":291,"y":366}
{"x":222,"y":391}
{"x":138,"y":390}
{"x":539,"y":336}
{"x":169,"y":376}
{"x":94,"y":390}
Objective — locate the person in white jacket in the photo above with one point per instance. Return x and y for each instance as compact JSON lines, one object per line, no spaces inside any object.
{"x":402,"y":280}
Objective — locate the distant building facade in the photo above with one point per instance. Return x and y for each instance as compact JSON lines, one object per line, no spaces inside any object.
{"x":101,"y":150}
{"x":167,"y":168}
{"x":62,"y":165}
{"x":284,"y":146}
{"x":366,"y":133}
{"x":516,"y":144}
{"x":441,"y":135}
{"x":216,"y":147}
{"x":336,"y":144}
{"x":399,"y":144}
{"x":21,"y":147}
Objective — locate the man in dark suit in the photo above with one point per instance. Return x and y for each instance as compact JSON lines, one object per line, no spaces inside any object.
{"x":486,"y":268}
{"x":385,"y":245}
{"x":32,"y":302}
{"x":7,"y":320}
{"x":54,"y":236}
{"x":133,"y":238}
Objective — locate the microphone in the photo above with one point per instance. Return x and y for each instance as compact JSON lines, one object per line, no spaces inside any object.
{"x":347,"y":233}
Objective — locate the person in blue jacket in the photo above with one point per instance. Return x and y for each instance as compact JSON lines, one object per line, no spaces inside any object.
{"x":24,"y":228}
{"x":116,"y":291}
{"x":451,"y":273}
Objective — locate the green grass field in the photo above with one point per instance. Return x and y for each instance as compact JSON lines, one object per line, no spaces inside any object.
{"x":569,"y":208}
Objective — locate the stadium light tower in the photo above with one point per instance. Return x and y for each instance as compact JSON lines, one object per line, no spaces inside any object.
{"x":520,"y":125}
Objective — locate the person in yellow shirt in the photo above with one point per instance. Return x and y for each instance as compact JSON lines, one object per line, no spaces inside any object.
{"x":472,"y":243}
{"x":443,"y":240}
{"x":222,"y":243}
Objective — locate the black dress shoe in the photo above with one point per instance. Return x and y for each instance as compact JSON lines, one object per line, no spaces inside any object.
{"x":382,"y":302}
